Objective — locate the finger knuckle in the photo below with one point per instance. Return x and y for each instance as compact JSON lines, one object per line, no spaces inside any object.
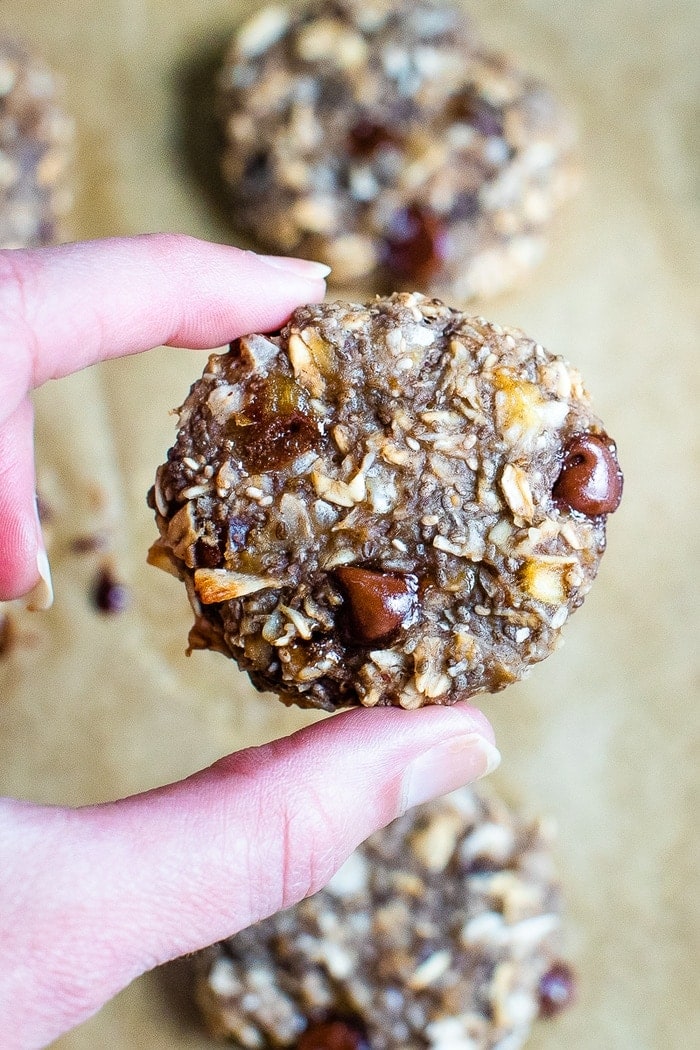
{"x":18,"y":272}
{"x":306,"y":856}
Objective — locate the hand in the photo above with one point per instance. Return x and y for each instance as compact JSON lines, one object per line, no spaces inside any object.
{"x":92,"y":897}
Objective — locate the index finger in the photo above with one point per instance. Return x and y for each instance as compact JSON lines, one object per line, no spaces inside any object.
{"x":66,"y":307}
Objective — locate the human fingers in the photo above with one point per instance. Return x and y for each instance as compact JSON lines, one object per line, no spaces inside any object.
{"x":22,"y":553}
{"x":66,"y":307}
{"x":99,"y":895}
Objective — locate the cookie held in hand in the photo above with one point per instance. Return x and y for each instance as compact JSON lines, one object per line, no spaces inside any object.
{"x":391,"y":503}
{"x":36,"y":148}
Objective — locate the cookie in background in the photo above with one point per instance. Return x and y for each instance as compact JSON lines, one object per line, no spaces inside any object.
{"x":388,"y":141}
{"x":36,"y":150}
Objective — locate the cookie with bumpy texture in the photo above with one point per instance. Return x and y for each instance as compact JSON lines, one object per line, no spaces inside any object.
{"x":384,"y":139}
{"x":36,"y":148}
{"x":390,"y":503}
{"x":442,"y":932}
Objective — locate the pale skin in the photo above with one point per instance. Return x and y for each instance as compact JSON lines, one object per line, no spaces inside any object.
{"x":91,"y":897}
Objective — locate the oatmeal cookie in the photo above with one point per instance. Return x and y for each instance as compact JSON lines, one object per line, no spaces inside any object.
{"x":385,"y":140}
{"x":440,"y":932}
{"x":36,"y":140}
{"x":390,"y":503}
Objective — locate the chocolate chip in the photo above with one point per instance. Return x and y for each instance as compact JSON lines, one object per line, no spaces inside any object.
{"x":333,"y":1035}
{"x":366,"y":137}
{"x":108,"y":594}
{"x":208,"y":554}
{"x":378,"y":604}
{"x":557,"y":989}
{"x":590,"y":480}
{"x":415,"y":244}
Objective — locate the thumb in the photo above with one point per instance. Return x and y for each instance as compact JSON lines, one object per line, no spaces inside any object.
{"x":110,"y":891}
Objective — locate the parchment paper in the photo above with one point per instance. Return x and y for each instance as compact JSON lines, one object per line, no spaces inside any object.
{"x":604,"y":737}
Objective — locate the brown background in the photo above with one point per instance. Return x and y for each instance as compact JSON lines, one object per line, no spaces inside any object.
{"x":604,"y":736}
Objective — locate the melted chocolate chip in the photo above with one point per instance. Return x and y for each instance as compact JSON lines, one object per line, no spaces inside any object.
{"x":557,"y":989}
{"x":277,"y":427}
{"x":108,"y":594}
{"x":415,"y":244}
{"x":333,"y":1035}
{"x":377,"y":604}
{"x":366,"y":137}
{"x":275,"y":444}
{"x":590,"y":480}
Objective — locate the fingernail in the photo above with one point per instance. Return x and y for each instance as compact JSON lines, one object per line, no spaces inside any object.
{"x":447,"y":766}
{"x":40,"y":597}
{"x":299,"y":267}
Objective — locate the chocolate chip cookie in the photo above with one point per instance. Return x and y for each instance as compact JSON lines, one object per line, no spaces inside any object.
{"x":391,"y":503}
{"x":442,"y":931}
{"x":384,"y":139}
{"x":36,"y":140}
